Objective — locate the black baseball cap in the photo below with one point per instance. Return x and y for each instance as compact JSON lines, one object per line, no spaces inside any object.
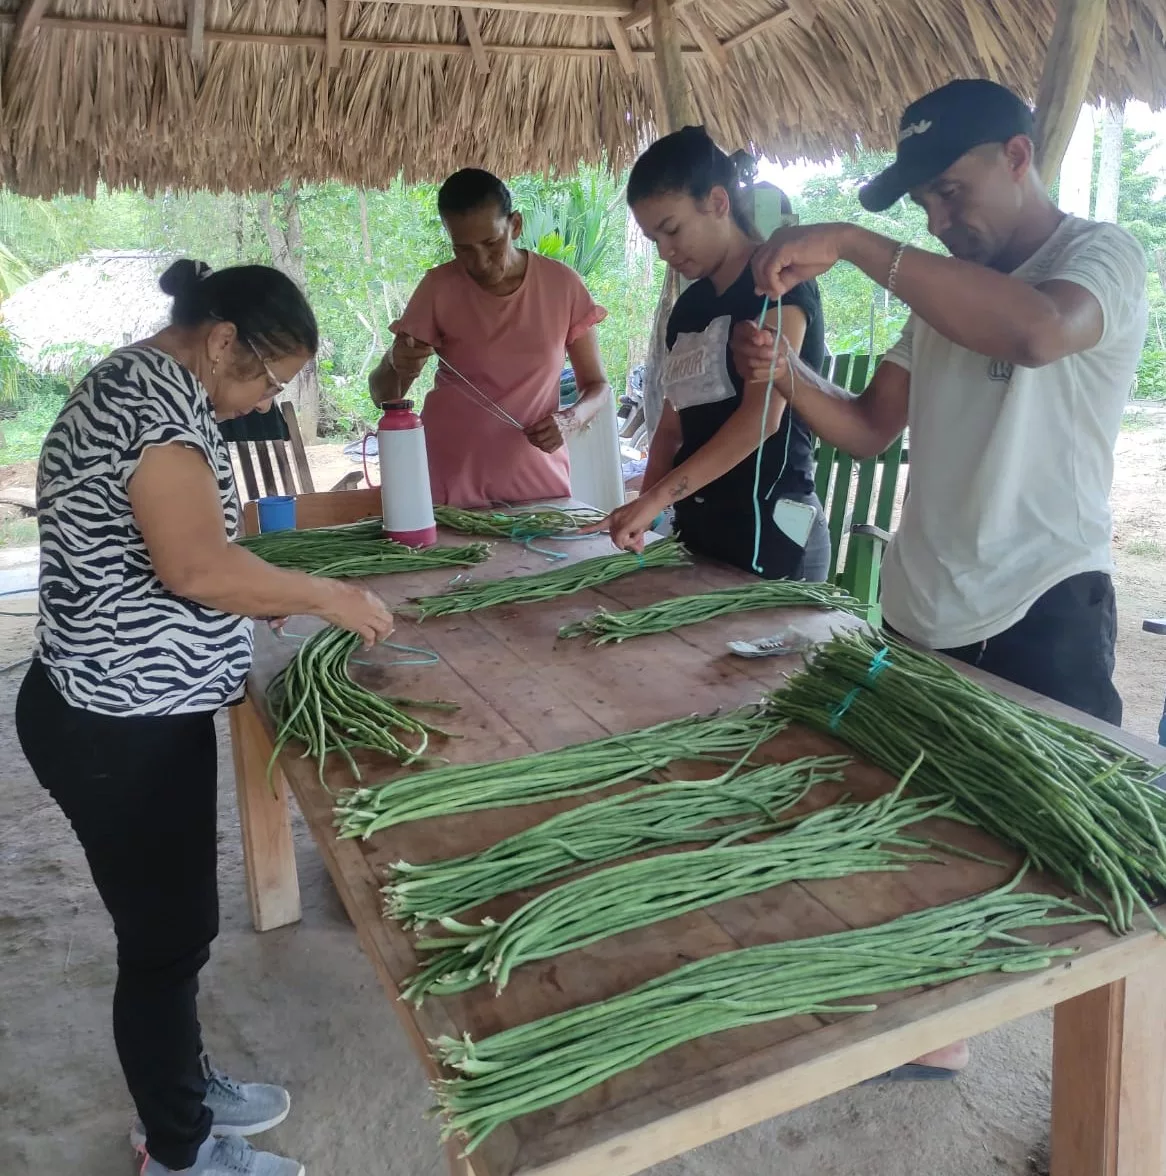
{"x":942,"y":127}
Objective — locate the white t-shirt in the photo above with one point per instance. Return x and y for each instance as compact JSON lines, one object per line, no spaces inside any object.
{"x":1011,"y":467}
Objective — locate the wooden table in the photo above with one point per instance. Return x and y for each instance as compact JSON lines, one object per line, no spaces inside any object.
{"x":521,"y":689}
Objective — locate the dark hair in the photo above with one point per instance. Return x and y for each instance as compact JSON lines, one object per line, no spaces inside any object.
{"x":688,"y":161}
{"x":471,"y":188}
{"x":268,"y":309}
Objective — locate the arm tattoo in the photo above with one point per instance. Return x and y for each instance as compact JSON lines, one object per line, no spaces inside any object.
{"x":678,"y":489}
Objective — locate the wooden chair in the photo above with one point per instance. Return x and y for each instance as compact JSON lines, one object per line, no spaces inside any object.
{"x":272,"y":442}
{"x":847,"y":489}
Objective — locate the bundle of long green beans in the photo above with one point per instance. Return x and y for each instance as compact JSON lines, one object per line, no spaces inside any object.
{"x":834,"y":842}
{"x":722,"y":810}
{"x":678,"y":611}
{"x":545,"y":1062}
{"x":1084,"y":808}
{"x":552,"y":775}
{"x":664,"y":553}
{"x":356,"y":549}
{"x":536,"y":522}
{"x":316,"y":701}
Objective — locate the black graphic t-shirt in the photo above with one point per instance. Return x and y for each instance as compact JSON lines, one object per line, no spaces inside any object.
{"x":702,"y":384}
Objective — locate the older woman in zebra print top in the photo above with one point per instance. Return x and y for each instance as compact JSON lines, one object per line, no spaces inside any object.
{"x":144,"y":633}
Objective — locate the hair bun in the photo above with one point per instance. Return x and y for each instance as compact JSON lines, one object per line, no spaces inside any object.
{"x":183,"y":276}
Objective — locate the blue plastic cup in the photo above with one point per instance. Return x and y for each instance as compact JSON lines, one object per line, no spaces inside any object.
{"x":277,"y":513}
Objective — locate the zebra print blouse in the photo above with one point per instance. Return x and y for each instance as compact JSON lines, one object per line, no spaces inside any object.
{"x":111,"y":636}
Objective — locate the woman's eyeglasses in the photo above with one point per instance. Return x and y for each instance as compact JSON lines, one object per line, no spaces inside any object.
{"x":276,"y":383}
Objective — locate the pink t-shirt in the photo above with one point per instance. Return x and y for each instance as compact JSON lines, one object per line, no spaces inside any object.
{"x":512,"y":349}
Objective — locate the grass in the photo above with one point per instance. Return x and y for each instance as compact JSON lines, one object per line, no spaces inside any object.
{"x":1149,"y":548}
{"x":1137,"y":422}
{"x":24,"y":434}
{"x":18,"y":533}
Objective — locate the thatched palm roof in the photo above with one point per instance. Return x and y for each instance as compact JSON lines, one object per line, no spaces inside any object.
{"x":109,"y":89}
{"x":68,"y":318}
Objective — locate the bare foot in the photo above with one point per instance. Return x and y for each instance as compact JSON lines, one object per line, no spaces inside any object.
{"x":950,"y":1057}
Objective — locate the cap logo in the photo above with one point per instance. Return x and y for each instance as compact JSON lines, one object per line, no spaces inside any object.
{"x":917,"y":128}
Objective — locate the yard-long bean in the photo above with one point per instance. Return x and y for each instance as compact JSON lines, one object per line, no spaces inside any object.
{"x":587,"y":573}
{"x":678,"y":611}
{"x":536,"y":522}
{"x":834,"y":842}
{"x":316,"y":701}
{"x":1081,"y":806}
{"x":552,"y":775}
{"x":544,"y":1062}
{"x":356,"y":549}
{"x":654,"y":816}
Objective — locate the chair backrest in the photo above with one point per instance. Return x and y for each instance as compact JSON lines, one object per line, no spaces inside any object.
{"x":272,"y":442}
{"x":846,"y":487}
{"x":329,"y":509}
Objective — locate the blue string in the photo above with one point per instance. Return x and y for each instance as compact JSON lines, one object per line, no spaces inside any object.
{"x":843,"y":707}
{"x":878,"y":663}
{"x":529,"y":543}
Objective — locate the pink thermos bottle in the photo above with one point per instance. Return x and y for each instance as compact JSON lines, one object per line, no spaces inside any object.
{"x":406,"y":501}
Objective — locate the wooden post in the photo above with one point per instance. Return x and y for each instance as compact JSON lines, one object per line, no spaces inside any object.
{"x":1064,"y":83}
{"x":621,"y":45}
{"x":1109,"y":1079}
{"x":196,"y":30}
{"x":676,"y":110}
{"x":332,"y":16}
{"x":28,"y":17}
{"x":269,"y":855}
{"x":469,"y":18}
{"x":673,"y":111}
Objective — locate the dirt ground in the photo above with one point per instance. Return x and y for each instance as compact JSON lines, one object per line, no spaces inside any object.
{"x":302,"y":1006}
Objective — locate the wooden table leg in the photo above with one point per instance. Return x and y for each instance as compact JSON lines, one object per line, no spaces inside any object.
{"x":269,"y":859}
{"x":1109,"y":1080}
{"x":457,"y":1166}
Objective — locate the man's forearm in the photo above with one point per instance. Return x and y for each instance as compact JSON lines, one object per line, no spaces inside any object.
{"x":974,"y":306}
{"x":836,"y":416}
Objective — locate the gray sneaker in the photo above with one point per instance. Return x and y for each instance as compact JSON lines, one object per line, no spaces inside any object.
{"x":230,"y":1157}
{"x":239,"y":1108}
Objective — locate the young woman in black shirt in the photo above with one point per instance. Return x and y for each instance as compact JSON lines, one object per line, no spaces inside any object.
{"x":684,"y":194}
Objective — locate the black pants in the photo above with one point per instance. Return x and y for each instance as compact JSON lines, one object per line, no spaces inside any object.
{"x":1062,"y":647}
{"x":140,"y":795}
{"x":727,"y":533}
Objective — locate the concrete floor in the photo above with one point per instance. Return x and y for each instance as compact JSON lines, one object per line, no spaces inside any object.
{"x":301,"y":1006}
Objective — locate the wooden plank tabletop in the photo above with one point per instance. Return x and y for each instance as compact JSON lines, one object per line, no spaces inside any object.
{"x":520,"y":688}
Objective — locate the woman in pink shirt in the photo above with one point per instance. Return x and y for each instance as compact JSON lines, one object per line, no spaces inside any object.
{"x":500,"y":319}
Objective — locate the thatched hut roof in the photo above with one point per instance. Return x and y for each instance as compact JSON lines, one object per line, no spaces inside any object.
{"x":110,"y":89}
{"x":71,"y":316}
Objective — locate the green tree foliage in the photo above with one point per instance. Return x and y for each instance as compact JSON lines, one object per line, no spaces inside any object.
{"x":1141,"y":210}
{"x":855,"y":308}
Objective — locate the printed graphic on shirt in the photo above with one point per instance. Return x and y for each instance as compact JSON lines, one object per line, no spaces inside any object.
{"x":694,"y":371}
{"x":1000,"y":370}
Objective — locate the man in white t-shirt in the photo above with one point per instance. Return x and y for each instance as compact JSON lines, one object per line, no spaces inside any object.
{"x":1011,"y":373}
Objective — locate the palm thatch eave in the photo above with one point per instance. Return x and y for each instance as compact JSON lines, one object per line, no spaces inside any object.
{"x":108,"y":90}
